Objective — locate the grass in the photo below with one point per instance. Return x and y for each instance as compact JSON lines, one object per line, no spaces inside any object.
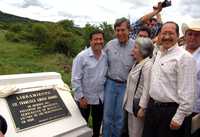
{"x":16,"y":58}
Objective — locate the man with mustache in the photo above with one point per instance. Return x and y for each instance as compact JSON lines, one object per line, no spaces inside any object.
{"x":172,"y":88}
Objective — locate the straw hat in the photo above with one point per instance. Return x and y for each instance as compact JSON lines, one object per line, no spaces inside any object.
{"x":194,"y":25}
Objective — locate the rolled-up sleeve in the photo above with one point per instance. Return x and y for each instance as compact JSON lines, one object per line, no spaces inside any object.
{"x":187,"y":78}
{"x":77,"y":75}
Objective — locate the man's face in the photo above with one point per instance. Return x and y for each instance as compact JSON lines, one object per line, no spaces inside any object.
{"x":152,"y":23}
{"x":192,"y":39}
{"x":168,"y":35}
{"x":97,"y":42}
{"x":122,"y":32}
{"x":143,"y":34}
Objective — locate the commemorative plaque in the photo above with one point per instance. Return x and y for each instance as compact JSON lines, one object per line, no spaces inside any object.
{"x":35,"y":108}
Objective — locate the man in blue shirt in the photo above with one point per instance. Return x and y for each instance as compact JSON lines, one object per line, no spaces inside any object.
{"x":154,"y":24}
{"x":88,"y":78}
{"x":120,"y":62}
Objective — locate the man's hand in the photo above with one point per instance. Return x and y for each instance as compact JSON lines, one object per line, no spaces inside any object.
{"x":174,"y":125}
{"x":141,"y":113}
{"x":1,"y":134}
{"x":158,"y":7}
{"x":83,"y":103}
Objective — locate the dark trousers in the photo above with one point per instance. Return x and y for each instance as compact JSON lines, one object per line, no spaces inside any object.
{"x":97,"y":116}
{"x":158,"y":118}
{"x":196,"y":133}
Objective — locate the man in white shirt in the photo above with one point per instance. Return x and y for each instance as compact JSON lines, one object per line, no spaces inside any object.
{"x":172,"y":88}
{"x":191,"y":33}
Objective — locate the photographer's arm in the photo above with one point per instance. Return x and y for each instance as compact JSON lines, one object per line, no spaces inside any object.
{"x":156,"y":10}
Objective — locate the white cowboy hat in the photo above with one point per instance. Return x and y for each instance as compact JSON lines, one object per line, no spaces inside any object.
{"x":194,"y":25}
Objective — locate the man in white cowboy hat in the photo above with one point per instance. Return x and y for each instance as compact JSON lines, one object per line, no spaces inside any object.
{"x":191,"y":33}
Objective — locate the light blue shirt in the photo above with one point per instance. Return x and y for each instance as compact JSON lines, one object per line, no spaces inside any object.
{"x":196,"y":56}
{"x":120,"y":60}
{"x":88,"y":76}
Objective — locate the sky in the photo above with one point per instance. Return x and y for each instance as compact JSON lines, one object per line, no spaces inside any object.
{"x":98,"y":11}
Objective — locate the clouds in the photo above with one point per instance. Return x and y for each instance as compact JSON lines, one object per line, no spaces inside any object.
{"x":97,"y":11}
{"x":72,"y":16}
{"x":137,"y":3}
{"x":190,"y":7}
{"x":30,"y":3}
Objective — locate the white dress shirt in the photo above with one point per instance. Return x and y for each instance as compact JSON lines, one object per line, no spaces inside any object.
{"x":173,"y":79}
{"x":196,"y":56}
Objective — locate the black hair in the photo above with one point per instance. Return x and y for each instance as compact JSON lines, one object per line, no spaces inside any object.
{"x":172,"y":22}
{"x":96,"y":31}
{"x":153,"y":19}
{"x":145,"y":28}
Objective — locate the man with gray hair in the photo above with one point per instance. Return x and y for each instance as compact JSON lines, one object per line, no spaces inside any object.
{"x":120,"y":63}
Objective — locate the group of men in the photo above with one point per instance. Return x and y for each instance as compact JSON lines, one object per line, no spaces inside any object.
{"x":99,"y":77}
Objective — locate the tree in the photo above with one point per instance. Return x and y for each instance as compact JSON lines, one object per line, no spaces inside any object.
{"x":40,"y":34}
{"x":108,"y":31}
{"x":86,"y":33}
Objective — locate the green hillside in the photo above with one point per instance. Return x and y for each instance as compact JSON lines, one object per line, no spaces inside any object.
{"x":28,"y":46}
{"x":5,"y":17}
{"x":18,"y":58}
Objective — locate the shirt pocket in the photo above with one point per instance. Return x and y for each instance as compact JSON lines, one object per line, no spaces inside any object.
{"x":168,"y":67}
{"x":128,"y":62}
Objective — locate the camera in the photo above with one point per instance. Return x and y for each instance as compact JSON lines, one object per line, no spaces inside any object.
{"x":166,"y":3}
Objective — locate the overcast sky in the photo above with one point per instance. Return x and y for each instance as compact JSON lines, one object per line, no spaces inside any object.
{"x":97,"y":11}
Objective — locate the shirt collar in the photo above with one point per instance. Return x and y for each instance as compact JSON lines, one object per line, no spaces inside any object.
{"x":170,"y":49}
{"x":123,"y":44}
{"x":197,"y":51}
{"x":91,"y":54}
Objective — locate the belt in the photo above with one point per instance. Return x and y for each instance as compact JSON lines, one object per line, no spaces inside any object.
{"x":117,"y":81}
{"x":162,"y":104}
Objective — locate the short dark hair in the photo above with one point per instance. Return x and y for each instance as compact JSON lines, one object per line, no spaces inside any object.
{"x":172,"y":22}
{"x":145,"y":28}
{"x":153,"y":19}
{"x":119,"y":21}
{"x":96,"y":31}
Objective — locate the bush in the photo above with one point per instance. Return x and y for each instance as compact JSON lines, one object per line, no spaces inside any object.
{"x":16,"y":27}
{"x":40,"y":34}
{"x":68,"y":43}
{"x":13,"y":37}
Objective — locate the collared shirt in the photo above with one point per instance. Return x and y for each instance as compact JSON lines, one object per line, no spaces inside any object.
{"x":173,"y":79}
{"x":120,"y":60}
{"x":88,"y":76}
{"x":136,"y":26}
{"x":196,"y":56}
{"x":143,"y":87}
